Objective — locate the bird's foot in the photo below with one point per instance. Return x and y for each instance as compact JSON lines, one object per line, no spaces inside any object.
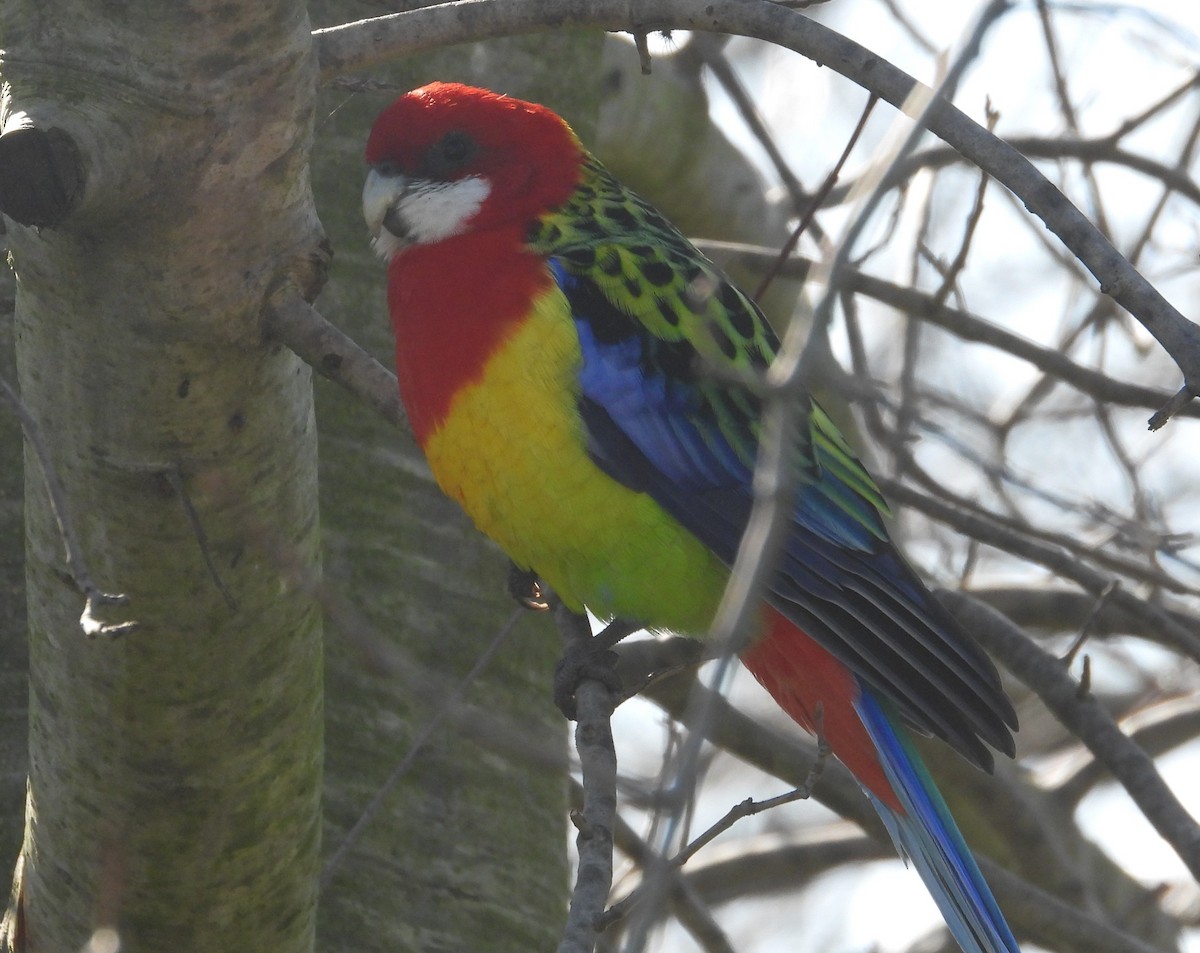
{"x":588,"y":656}
{"x":579,"y":664}
{"x":527,"y":589}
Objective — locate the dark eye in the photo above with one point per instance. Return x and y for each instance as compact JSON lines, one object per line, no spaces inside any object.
{"x":456,"y":146}
{"x":449,"y":154}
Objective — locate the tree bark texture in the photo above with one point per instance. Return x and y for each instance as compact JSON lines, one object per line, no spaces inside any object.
{"x":174,"y":772}
{"x":14,"y":652}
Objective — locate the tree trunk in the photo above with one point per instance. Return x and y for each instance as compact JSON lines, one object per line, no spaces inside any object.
{"x":14,"y":650}
{"x":175,"y":771}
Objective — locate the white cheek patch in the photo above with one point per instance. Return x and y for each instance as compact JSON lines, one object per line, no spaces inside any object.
{"x":433,"y":211}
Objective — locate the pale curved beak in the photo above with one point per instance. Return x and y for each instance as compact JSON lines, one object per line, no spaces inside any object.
{"x":381,"y":194}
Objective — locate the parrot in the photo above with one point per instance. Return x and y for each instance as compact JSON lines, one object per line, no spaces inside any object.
{"x":574,"y":370}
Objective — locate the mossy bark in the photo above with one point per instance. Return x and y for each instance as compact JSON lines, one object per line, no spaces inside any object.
{"x":14,"y":652}
{"x":174,"y":773}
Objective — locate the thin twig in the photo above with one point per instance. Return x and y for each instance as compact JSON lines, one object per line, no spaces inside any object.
{"x":668,"y":869}
{"x":909,"y":27}
{"x":923,"y":105}
{"x":818,"y":199}
{"x":1068,"y":110}
{"x":774,"y":475}
{"x":1040,"y":916}
{"x":419,"y":742}
{"x":1084,"y":718}
{"x":711,"y":49}
{"x":1058,"y":609}
{"x":1072,"y":544}
{"x":780,"y":860}
{"x":355,"y":45}
{"x":749,"y":807}
{"x":94,"y":597}
{"x":1154,"y":109}
{"x":643,"y":51}
{"x":766,"y":528}
{"x":1085,"y":630}
{"x":175,"y":479}
{"x":1165,"y":629}
{"x":967,"y":326}
{"x":906,"y":414}
{"x":1100,"y":150}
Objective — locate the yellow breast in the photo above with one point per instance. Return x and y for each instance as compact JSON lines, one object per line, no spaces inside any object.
{"x":512,"y":451}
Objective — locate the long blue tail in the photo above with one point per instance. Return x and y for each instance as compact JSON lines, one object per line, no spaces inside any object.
{"x":927,"y":834}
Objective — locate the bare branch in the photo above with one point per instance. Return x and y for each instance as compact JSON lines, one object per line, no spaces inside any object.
{"x":1034,"y":913}
{"x":787,"y":757}
{"x":906,"y":24}
{"x":294,"y":322}
{"x":712,"y":53}
{"x":978,"y":527}
{"x":1155,"y":109}
{"x":1100,"y":150}
{"x":662,"y":870}
{"x":808,"y":214}
{"x":1050,"y":923}
{"x":750,"y":807}
{"x":1063,"y":610}
{"x":356,"y":45}
{"x":769,"y":863}
{"x":1131,"y":766}
{"x":968,"y":327}
{"x":1068,"y":109}
{"x":1009,"y":529}
{"x":598,"y":766}
{"x":466,"y":20}
{"x":687,"y":905}
{"x":1156,"y":729}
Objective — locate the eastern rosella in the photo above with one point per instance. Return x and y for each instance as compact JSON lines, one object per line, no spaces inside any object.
{"x":556,"y":339}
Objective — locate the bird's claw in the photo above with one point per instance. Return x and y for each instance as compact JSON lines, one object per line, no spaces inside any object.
{"x":527,"y":589}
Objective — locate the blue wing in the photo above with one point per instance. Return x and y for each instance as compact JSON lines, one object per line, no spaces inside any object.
{"x":658,"y":423}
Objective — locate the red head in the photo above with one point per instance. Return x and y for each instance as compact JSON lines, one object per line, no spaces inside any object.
{"x":447,"y":159}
